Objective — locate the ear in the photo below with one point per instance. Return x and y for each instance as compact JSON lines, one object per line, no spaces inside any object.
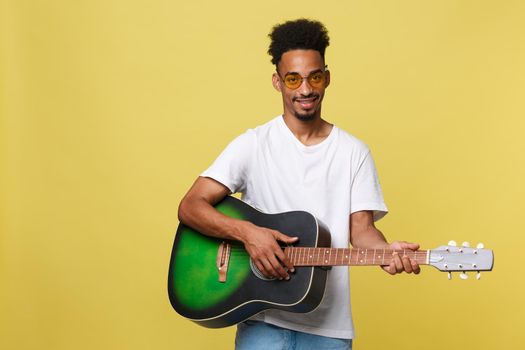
{"x":327,"y":78}
{"x":276,"y":82}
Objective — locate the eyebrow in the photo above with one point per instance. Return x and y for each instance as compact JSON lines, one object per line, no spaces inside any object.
{"x":312,"y":72}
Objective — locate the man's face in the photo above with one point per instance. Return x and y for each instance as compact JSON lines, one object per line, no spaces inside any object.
{"x":304,"y":102}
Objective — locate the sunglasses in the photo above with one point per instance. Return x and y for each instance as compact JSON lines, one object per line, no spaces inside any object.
{"x":316,"y":79}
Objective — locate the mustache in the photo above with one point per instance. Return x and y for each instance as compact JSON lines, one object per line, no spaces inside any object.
{"x":312,"y":95}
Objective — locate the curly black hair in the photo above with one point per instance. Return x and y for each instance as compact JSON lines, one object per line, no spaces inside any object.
{"x":302,"y":33}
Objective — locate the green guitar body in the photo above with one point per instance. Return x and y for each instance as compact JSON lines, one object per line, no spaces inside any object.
{"x":196,"y":292}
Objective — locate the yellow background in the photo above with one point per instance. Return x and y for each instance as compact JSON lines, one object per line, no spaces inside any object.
{"x":110,"y":109}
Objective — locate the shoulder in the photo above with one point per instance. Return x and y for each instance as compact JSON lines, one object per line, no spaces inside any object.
{"x":251,"y":137}
{"x":351,"y":143}
{"x":265,"y":129}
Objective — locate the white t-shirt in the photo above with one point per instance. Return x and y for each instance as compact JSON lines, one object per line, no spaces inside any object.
{"x":275,"y":172}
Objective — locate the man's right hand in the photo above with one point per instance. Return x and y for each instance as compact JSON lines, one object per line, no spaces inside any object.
{"x":196,"y":210}
{"x":261,"y":243}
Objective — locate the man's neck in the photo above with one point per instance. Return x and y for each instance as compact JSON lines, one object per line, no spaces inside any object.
{"x":309,"y":132}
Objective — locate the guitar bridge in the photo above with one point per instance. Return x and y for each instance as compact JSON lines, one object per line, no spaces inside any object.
{"x":223,"y":258}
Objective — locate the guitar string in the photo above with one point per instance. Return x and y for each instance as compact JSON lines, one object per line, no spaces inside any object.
{"x":351,"y":251}
{"x":334,"y":251}
{"x":307,"y":257}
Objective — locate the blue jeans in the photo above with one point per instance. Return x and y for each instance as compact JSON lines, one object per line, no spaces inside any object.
{"x":257,"y":335}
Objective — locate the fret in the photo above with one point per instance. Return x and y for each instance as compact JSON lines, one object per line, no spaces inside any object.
{"x":306,"y":256}
{"x":318,"y":256}
{"x":307,"y":259}
{"x":303,"y":258}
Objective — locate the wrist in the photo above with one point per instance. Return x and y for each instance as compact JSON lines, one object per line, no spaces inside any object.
{"x":241,"y":229}
{"x":378,"y":244}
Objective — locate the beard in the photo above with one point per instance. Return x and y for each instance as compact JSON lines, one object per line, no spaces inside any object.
{"x":309,"y":115}
{"x":306,"y":117}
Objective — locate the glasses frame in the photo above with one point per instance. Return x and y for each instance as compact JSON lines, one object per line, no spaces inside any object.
{"x":324,"y":71}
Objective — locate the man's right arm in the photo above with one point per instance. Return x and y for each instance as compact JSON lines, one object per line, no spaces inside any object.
{"x":196,"y":210}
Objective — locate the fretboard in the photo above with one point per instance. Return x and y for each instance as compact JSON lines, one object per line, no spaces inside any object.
{"x":305,"y":256}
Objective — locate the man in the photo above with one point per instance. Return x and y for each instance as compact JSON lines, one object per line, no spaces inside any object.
{"x":297,"y":161}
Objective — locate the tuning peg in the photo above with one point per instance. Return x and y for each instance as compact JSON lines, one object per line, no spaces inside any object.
{"x":463,"y":275}
{"x":452,"y":243}
{"x":465,"y":244}
{"x":478,"y":275}
{"x":480,"y":246}
{"x":450,"y":275}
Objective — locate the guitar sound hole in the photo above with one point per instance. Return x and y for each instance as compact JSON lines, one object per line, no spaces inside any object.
{"x":258,"y":272}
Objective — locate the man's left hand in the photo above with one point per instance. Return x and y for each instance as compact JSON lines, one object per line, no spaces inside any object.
{"x":400,"y":263}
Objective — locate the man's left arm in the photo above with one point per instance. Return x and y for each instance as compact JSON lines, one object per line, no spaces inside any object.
{"x":364,"y":234}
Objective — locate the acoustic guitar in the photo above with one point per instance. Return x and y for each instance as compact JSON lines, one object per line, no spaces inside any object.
{"x":214,"y":283}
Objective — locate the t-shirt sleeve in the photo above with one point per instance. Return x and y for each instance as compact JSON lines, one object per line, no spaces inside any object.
{"x":366,"y":191}
{"x":232,"y":167}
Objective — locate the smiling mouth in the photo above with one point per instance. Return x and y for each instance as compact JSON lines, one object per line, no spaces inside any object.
{"x":306,"y":102}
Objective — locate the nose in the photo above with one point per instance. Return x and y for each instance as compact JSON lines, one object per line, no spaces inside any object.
{"x":305,"y":88}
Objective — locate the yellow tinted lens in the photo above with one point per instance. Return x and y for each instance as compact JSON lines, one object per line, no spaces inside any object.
{"x":316,"y":79}
{"x":293,"y":81}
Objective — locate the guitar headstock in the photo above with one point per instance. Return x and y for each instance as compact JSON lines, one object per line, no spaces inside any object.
{"x":451,"y":258}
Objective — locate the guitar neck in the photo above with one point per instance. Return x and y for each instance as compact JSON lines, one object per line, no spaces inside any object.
{"x":306,"y":256}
